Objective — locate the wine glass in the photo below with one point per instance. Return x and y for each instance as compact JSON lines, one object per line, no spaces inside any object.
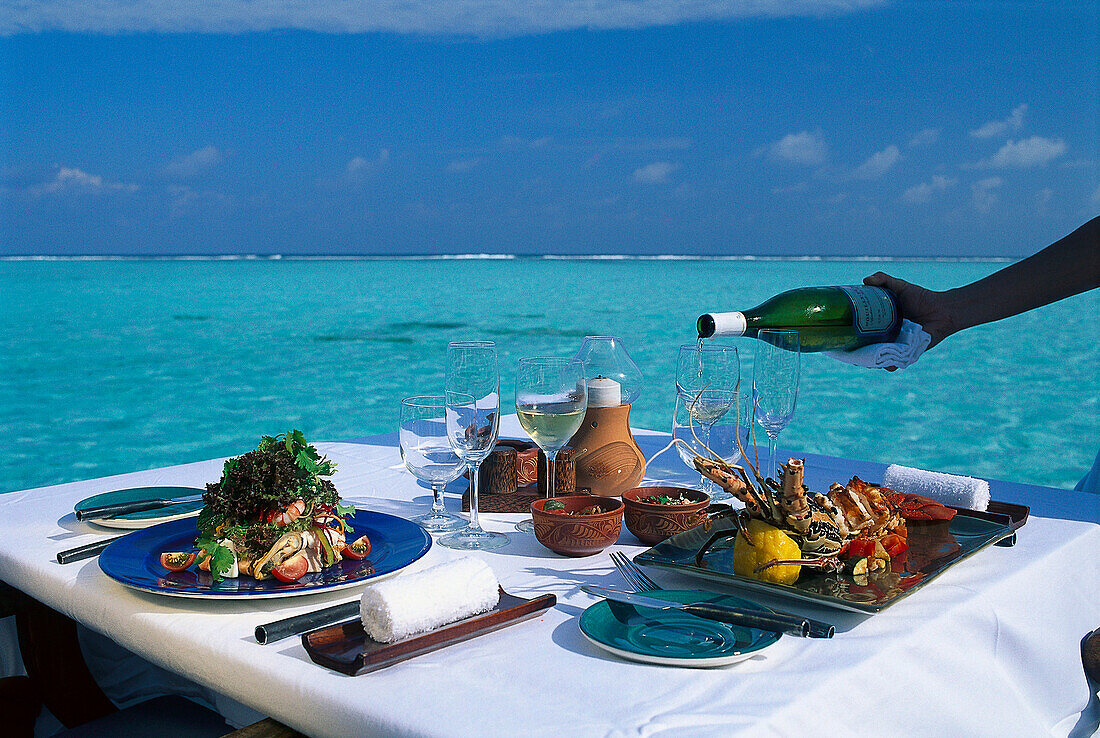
{"x":551,"y":399}
{"x":427,"y":453}
{"x":472,"y":416}
{"x":722,"y":439}
{"x":706,"y":388}
{"x":775,"y":384}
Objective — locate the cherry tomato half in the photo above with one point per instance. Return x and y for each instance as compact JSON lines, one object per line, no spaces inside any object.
{"x":292,"y":569}
{"x":357,"y":549}
{"x":177,"y":560}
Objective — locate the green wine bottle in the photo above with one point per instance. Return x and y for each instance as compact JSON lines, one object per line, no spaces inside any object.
{"x":826,"y":318}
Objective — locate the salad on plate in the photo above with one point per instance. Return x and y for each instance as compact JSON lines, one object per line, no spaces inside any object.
{"x":272,"y":514}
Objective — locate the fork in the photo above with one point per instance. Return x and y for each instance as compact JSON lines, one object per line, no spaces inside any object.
{"x":641,"y":582}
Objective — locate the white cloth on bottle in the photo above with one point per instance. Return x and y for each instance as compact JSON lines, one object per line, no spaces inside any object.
{"x":912,"y":342}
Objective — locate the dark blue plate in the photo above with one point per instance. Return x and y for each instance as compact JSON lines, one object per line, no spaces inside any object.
{"x":134,"y":561}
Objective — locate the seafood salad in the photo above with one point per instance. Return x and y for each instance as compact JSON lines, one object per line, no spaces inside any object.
{"x":272,"y":514}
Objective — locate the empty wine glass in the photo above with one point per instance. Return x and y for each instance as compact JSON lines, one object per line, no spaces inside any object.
{"x":428,"y":455}
{"x":551,"y":399}
{"x":775,"y":374}
{"x":472,"y":416}
{"x":706,"y":385}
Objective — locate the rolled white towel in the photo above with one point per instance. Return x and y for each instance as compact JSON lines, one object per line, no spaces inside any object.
{"x":912,"y":342}
{"x":949,"y":489}
{"x":400,"y":607}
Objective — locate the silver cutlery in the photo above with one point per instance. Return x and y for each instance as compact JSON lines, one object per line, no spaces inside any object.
{"x":641,"y":582}
{"x":124,"y":508}
{"x":759,"y":619}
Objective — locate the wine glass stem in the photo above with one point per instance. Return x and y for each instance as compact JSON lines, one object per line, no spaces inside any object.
{"x":551,"y":468}
{"x":704,"y":431}
{"x":437,"y":498}
{"x":773,"y":440}
{"x":475,"y":525}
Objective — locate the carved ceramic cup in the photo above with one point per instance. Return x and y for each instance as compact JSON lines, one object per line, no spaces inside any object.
{"x":653,"y":522}
{"x":577,"y":535}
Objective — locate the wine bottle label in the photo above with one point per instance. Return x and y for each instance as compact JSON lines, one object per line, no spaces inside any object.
{"x":729,"y":324}
{"x":873,"y":308}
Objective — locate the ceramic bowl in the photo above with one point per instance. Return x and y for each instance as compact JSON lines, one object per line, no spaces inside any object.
{"x":652,"y":523}
{"x":578,"y":535}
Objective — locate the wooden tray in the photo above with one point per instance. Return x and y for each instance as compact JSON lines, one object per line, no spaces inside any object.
{"x":514,"y":502}
{"x":348,"y":649}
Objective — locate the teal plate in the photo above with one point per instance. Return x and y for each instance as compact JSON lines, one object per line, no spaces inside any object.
{"x":132,"y":521}
{"x":671,"y":637}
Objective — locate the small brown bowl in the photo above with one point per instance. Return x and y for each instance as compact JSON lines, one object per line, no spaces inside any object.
{"x":578,"y":535}
{"x":652,"y":523}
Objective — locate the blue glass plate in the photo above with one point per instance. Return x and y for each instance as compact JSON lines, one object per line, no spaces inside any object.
{"x":134,"y":561}
{"x":146,"y":518}
{"x":672,"y":637}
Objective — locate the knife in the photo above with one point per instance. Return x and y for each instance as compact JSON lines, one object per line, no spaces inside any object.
{"x":122,"y":508}
{"x":759,"y":619}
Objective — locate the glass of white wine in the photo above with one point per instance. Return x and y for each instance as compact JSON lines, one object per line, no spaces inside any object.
{"x":715,"y":439}
{"x":551,"y":399}
{"x":707,"y":376}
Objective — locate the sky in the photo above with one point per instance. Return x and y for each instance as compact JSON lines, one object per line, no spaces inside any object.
{"x":746,"y":127}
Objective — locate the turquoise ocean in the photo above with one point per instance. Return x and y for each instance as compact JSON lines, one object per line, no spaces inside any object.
{"x":110,"y":366}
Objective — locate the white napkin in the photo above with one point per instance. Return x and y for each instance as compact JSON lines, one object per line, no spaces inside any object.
{"x":949,"y":489}
{"x":400,"y":607}
{"x":912,"y":342}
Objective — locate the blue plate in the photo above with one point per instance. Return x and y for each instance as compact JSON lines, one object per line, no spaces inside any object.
{"x":145,"y":518}
{"x":673,"y":637}
{"x":134,"y":561}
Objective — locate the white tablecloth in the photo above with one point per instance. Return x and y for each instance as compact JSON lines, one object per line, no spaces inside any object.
{"x":991,"y":647}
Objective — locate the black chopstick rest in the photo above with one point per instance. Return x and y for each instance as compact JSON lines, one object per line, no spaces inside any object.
{"x":86,"y":551}
{"x":299,"y":624}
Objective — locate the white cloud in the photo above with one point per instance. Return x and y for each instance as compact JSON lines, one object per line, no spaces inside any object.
{"x":1043,"y":198}
{"x":924,"y":137}
{"x":479,"y":17}
{"x":878,"y":163}
{"x":804,"y":148}
{"x":463,"y":165}
{"x":796,"y":188}
{"x":71,"y":179}
{"x":999,"y":127}
{"x":983,"y":193}
{"x":1025,"y":153}
{"x":359,"y":165}
{"x":193,"y":164}
{"x":654,"y":173}
{"x":924,"y":191}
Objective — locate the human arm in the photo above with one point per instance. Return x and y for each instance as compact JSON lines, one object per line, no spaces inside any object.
{"x":1067,"y":267}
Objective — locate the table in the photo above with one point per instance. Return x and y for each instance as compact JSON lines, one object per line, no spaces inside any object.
{"x":992,"y":647}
